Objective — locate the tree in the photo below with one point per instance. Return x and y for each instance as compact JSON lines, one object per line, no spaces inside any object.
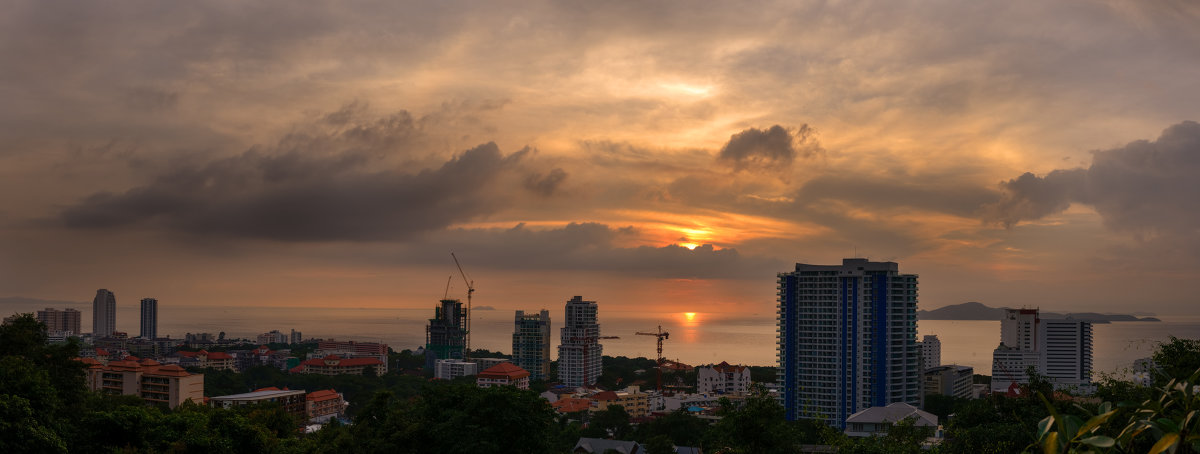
{"x":611,"y":422}
{"x":678,"y":426}
{"x":758,"y":426}
{"x":1177,"y":358}
{"x":658,"y":444}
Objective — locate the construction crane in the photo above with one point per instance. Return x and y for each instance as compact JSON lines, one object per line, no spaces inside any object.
{"x":661,"y":335}
{"x":448,"y":279}
{"x":470,"y":290}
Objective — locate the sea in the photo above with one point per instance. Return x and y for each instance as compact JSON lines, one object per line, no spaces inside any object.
{"x":694,"y":337}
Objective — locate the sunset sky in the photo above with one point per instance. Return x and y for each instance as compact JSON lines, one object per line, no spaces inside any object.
{"x":647,"y":155}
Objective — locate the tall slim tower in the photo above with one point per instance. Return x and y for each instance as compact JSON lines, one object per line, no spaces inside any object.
{"x":931,"y":352}
{"x":531,"y":343}
{"x":579,"y":352}
{"x":104,"y":314}
{"x":847,"y":339}
{"x":149,"y":318}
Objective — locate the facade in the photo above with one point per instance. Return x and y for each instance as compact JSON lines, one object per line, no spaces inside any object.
{"x":579,"y":351}
{"x":847,"y":339}
{"x":446,"y":334}
{"x":104,"y":314}
{"x":877,"y":420}
{"x":531,"y":343}
{"x":635,"y":402}
{"x":352,"y":349}
{"x":931,"y":352}
{"x":296,"y":337}
{"x":321,"y":406}
{"x":503,"y":374}
{"x":336,"y":365}
{"x":723,"y":379}
{"x":149,"y":318}
{"x":273,"y":337}
{"x":292,"y":402}
{"x":950,"y":380}
{"x":1060,"y":349}
{"x":64,"y":323}
{"x":450,"y":369}
{"x":168,"y":385}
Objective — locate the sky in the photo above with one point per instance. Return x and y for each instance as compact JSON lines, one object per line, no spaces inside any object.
{"x":651,"y":156}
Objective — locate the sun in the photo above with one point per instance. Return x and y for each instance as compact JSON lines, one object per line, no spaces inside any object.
{"x":690,"y":246}
{"x":690,"y":315}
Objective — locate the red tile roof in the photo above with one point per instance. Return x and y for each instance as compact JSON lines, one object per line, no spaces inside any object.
{"x":322,"y":395}
{"x":341,"y":362}
{"x":571,"y":405}
{"x":504,"y":370}
{"x":218,"y":355}
{"x":101,"y":352}
{"x":605,"y":396}
{"x":726,"y":367}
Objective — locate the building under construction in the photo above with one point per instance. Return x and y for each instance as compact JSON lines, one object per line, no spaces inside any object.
{"x":446,"y":334}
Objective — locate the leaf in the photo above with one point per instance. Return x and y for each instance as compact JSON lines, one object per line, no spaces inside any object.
{"x":1050,"y":445}
{"x":1095,"y":422}
{"x":1167,"y":425}
{"x":1072,"y":425}
{"x":1165,"y":443}
{"x":1099,"y":441}
{"x":1044,"y":426}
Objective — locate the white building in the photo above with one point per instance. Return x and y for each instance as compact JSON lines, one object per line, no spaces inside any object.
{"x":579,"y":352}
{"x":950,"y":380}
{"x":723,"y":379}
{"x":1061,"y":350}
{"x":449,"y":369}
{"x":931,"y":352}
{"x":847,"y":339}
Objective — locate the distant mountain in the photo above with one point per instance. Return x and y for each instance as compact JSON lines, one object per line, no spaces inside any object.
{"x":978,"y":311}
{"x":39,"y":303}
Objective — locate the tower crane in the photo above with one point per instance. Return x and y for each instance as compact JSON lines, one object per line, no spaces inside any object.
{"x":661,"y":335}
{"x":470,"y":290}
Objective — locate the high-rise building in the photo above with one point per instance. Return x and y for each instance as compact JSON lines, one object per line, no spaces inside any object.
{"x":931,"y":351}
{"x":531,"y":343}
{"x":446,"y":334}
{"x":104,"y":314}
{"x":1059,"y":349}
{"x":847,"y":339}
{"x":149,"y":318}
{"x":579,"y":351}
{"x":61,"y":322}
{"x":296,"y":337}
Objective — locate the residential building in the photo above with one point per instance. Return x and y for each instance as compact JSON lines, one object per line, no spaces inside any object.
{"x":323,"y":405}
{"x":149,"y":319}
{"x":297,"y":338}
{"x":450,"y":369}
{"x":206,"y":359}
{"x":635,"y":402}
{"x":273,"y":337}
{"x":931,"y":352}
{"x":503,"y":374}
{"x":847,"y":339}
{"x":723,"y":379}
{"x":485,"y":363}
{"x":336,"y":365}
{"x":1059,"y":349}
{"x":64,"y":323}
{"x":104,"y":314}
{"x":292,"y":402}
{"x":446,"y":333}
{"x":352,"y":349}
{"x":531,"y":343}
{"x":950,"y":380}
{"x":579,"y":351}
{"x":877,"y":420}
{"x":167,"y":385}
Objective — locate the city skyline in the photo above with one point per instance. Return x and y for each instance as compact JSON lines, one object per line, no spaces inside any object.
{"x":1016,"y":154}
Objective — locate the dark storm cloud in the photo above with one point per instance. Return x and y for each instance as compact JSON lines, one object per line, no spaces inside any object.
{"x":546,"y":184}
{"x":1145,"y":187}
{"x":588,"y":246}
{"x":772,"y":148}
{"x":301,"y":197}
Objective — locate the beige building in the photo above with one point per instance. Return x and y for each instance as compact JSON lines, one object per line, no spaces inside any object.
{"x":636,"y":402}
{"x":205,"y":359}
{"x":167,"y":385}
{"x":324,"y":405}
{"x":336,"y":365}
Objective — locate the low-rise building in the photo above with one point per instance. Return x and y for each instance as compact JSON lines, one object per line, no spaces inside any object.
{"x":324,"y":405}
{"x":168,"y":385}
{"x":571,"y":405}
{"x":336,"y":365}
{"x":635,"y":402}
{"x":354,"y":350}
{"x":877,"y":420}
{"x":503,"y":374}
{"x":950,"y":380}
{"x":292,"y":402}
{"x":450,"y":369}
{"x":723,"y":379}
{"x":205,"y":359}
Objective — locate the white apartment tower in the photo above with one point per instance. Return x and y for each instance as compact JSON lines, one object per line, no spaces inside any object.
{"x":579,"y":350}
{"x":149,"y":318}
{"x":931,"y":352}
{"x":1060,"y":349}
{"x":104,"y":314}
{"x":847,"y":339}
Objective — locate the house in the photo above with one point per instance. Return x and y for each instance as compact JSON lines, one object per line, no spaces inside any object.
{"x":506,"y":374}
{"x":600,"y":445}
{"x":877,"y":420}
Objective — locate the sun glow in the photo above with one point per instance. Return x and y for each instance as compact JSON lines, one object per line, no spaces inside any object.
{"x":690,"y":315}
{"x":690,"y":246}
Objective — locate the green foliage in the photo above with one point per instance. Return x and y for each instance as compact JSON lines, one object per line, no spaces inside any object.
{"x":904,"y":437}
{"x":1177,"y":359}
{"x":357,"y":389}
{"x":658,"y":444}
{"x":612,"y":422}
{"x":764,"y":374}
{"x":678,"y":426}
{"x":758,"y":426}
{"x":620,"y":371}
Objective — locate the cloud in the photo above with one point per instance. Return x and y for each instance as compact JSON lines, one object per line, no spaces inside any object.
{"x":1146,"y":187}
{"x":772,"y":148}
{"x":545,"y":185}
